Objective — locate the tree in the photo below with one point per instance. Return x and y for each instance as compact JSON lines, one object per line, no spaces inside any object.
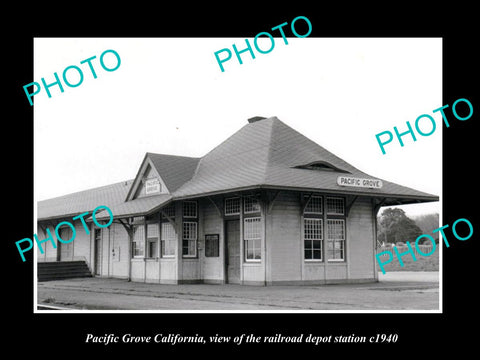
{"x":427,"y":223}
{"x":395,"y":226}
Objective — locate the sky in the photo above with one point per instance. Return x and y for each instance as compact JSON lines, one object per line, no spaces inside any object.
{"x":169,"y":96}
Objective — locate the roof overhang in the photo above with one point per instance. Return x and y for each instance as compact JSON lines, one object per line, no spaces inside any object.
{"x":137,"y":207}
{"x":390,"y":199}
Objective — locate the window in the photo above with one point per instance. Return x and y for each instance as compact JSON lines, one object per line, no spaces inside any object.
{"x":211,"y":245}
{"x":314,"y":205}
{"x":335,"y":206}
{"x":336,"y":239}
{"x":251,"y":205}
{"x":189,"y":244}
{"x":169,"y":238}
{"x":169,"y":211}
{"x":232,"y":206}
{"x":138,"y":241}
{"x":190,"y":209}
{"x":152,"y":240}
{"x":252,"y":237}
{"x":313,"y":238}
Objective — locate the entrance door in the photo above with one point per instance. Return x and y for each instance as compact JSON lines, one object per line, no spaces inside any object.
{"x":233,"y":251}
{"x":98,"y":250}
{"x":66,"y":249}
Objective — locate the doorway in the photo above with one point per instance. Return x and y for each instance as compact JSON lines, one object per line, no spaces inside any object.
{"x":66,"y":249}
{"x":233,"y":251}
{"x":98,"y":251}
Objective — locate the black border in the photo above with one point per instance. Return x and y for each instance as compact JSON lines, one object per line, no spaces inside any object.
{"x":421,"y":333}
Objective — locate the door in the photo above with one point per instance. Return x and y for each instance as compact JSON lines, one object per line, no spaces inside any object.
{"x":233,"y":251}
{"x":98,"y":251}
{"x":66,"y":249}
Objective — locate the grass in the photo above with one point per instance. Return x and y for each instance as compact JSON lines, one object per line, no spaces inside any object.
{"x":423,"y":263}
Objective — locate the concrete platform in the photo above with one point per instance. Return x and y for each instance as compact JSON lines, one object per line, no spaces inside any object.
{"x":394,"y":291}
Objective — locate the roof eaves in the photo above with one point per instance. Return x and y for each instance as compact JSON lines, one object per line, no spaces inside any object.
{"x":136,"y":177}
{"x":422,"y":198}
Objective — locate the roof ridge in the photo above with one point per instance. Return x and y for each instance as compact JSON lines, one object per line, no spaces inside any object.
{"x":170,"y":155}
{"x":275,"y":120}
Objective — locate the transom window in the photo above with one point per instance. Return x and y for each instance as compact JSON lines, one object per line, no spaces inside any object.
{"x":252,"y":237}
{"x":314,"y":205}
{"x":232,"y":206}
{"x":251,"y":205}
{"x":169,"y":211}
{"x":335,"y":206}
{"x":190,"y":209}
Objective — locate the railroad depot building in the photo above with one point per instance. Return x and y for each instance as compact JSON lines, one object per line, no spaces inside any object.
{"x":266,"y":206}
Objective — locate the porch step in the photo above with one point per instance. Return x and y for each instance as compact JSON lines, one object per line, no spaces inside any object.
{"x":62,"y":270}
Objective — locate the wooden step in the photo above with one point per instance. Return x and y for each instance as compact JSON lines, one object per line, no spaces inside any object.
{"x":62,"y":270}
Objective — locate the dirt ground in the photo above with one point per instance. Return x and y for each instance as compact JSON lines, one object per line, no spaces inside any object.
{"x":394,"y":291}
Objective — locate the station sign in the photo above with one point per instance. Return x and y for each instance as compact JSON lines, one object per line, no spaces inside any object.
{"x":359,"y":182}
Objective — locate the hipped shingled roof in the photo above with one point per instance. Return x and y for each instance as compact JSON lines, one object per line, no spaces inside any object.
{"x":266,"y":153}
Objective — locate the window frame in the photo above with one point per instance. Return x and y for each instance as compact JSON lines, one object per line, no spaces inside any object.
{"x":164,"y":241}
{"x":248,"y":238}
{"x":152,"y":239}
{"x":195,"y":239}
{"x":142,"y":242}
{"x":189,"y":216}
{"x":225,"y":206}
{"x":333,"y":241}
{"x":320,"y":240}
{"x":327,"y":215}
{"x":309,"y":199}
{"x":169,"y":210}
{"x":254,"y":201}
{"x":335,"y":198}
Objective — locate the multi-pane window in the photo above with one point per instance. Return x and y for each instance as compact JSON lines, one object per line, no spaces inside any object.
{"x":252,"y":237}
{"x":251,"y":205}
{"x":336,"y":239}
{"x":138,"y":243}
{"x":169,"y":211}
{"x":190,"y":209}
{"x":168,"y":235}
{"x":314,"y":205}
{"x":232,"y":206}
{"x":335,"y":206}
{"x":313,"y":238}
{"x":189,"y":244}
{"x":169,"y":238}
{"x":333,"y":232}
{"x":152,"y":240}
